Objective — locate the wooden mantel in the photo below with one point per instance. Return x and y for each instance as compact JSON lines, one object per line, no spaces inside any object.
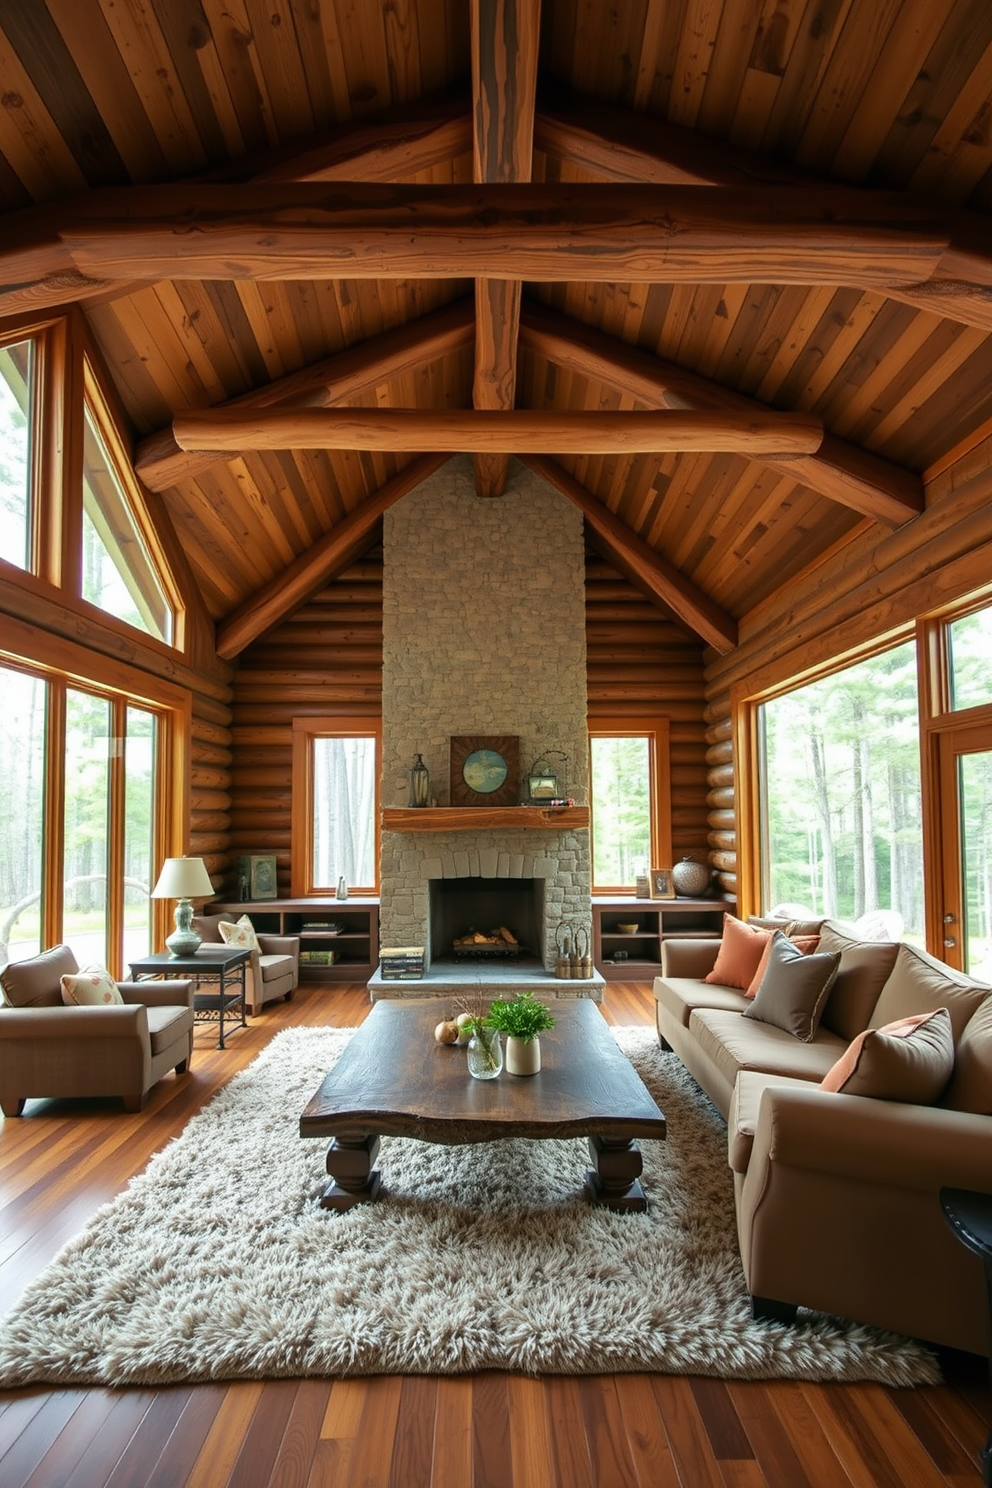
{"x":482,"y":818}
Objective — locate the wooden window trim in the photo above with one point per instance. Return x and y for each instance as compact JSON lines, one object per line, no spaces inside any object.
{"x":63,"y":664}
{"x":305,"y":731}
{"x":658,"y":730}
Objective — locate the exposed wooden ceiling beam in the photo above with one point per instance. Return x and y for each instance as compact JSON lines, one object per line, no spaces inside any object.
{"x":839,"y":470}
{"x":677,"y":234}
{"x":313,"y":569}
{"x":161,"y":463}
{"x":618,"y":145}
{"x":639,"y":561}
{"x":505,"y":42}
{"x":401,"y":143}
{"x":455,"y":430}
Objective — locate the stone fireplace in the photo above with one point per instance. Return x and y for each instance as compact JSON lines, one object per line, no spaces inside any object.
{"x":483,"y":635}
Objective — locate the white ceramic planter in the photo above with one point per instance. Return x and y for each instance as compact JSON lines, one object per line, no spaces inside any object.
{"x":523,"y":1057}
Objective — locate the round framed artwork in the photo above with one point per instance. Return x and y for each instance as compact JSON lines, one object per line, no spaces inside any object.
{"x":485,"y":770}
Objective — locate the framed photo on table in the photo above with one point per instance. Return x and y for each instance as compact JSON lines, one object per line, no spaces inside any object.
{"x":257,"y":876}
{"x":661,"y":884}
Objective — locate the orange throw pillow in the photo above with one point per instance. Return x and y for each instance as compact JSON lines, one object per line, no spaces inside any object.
{"x":805,"y":943}
{"x":741,"y":949}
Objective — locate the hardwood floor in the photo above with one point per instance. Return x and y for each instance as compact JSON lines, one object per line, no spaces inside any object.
{"x":62,"y":1160}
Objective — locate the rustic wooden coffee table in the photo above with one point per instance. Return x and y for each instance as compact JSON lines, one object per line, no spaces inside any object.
{"x":394,"y":1080}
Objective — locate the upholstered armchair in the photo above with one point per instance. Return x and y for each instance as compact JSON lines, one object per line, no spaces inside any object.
{"x":48,"y":1049}
{"x":273,"y":970}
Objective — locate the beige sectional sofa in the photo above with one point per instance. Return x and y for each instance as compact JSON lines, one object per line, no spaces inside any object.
{"x":837,"y":1194}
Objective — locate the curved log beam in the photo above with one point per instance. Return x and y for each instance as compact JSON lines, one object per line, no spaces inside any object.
{"x":841,"y":471}
{"x":679,"y":234}
{"x":502,"y":433}
{"x":642,"y":565}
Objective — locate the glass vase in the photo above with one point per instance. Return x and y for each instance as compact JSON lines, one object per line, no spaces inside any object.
{"x":485,"y":1054}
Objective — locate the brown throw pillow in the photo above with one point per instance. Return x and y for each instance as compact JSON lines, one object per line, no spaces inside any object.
{"x":911,"y":1060}
{"x":740,"y":951}
{"x":794,"y":988}
{"x":806,"y":943}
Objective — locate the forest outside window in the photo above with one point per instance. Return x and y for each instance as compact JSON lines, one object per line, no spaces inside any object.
{"x":840,"y":797}
{"x":630,"y":802}
{"x":335,"y":806}
{"x":18,"y":406}
{"x":118,"y":572}
{"x":84,"y":781}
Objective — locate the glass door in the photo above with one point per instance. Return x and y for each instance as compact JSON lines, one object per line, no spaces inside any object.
{"x":966,"y":856}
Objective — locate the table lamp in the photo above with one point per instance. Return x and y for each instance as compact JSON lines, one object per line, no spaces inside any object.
{"x":183,"y":879}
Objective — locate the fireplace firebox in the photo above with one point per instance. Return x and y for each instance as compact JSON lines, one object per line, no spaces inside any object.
{"x":487,"y":907}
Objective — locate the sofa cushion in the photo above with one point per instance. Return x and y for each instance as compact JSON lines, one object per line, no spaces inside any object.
{"x":680,"y":996}
{"x":740,"y":951}
{"x":742,"y":1119}
{"x":794,"y":988}
{"x":970,"y":1087}
{"x":273,"y":968}
{"x":919,"y":983}
{"x":91,"y":987}
{"x":806,"y":943}
{"x":865,"y":967}
{"x":36,"y":981}
{"x":907,"y":1061}
{"x":166,"y":1025}
{"x":733,"y":1043}
{"x":240,"y":934}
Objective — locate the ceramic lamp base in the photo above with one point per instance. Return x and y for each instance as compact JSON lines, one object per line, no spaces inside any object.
{"x":184,"y":940}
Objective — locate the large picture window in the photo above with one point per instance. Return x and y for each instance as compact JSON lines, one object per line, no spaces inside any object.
{"x":18,"y":362}
{"x":335,"y":806}
{"x":841,"y":810}
{"x":630,"y":802}
{"x":87,"y":792}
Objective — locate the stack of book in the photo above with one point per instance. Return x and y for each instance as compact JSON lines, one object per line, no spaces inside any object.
{"x":318,"y":958}
{"x":401,"y":963}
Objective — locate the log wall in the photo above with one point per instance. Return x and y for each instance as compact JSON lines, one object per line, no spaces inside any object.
{"x":869,"y":585}
{"x":324,"y":661}
{"x":327,"y":660}
{"x":640,"y":661}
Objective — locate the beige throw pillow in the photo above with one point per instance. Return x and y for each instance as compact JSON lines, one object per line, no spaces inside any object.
{"x":910,"y":1060}
{"x":91,"y":987}
{"x":794,"y":988}
{"x":240,"y":934}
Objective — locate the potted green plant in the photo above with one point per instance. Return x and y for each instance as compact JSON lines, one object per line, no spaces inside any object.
{"x":521,"y":1019}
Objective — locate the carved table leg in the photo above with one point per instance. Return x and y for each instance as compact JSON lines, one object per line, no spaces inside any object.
{"x":349,"y":1162}
{"x":614,"y":1182}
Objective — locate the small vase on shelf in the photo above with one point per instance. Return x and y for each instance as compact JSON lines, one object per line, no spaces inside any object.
{"x":690,"y":879}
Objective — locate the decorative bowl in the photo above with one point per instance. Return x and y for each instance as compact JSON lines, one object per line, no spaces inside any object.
{"x":628,"y":928}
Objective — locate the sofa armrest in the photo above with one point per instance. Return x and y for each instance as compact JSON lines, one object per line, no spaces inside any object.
{"x":116,"y":1021}
{"x":158,"y":994}
{"x":888,"y":1142}
{"x":280,"y":945}
{"x":689,"y":957}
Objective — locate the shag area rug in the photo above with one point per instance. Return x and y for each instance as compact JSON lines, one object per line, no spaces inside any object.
{"x":217,"y":1263}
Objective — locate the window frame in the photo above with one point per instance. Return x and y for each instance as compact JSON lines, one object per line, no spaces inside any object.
{"x":63,"y":665}
{"x":657,"y":728}
{"x":305,"y":731}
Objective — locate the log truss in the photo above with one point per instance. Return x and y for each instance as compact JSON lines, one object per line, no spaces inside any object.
{"x":668,"y":207}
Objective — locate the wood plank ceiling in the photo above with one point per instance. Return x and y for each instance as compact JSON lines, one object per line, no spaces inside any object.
{"x":794,"y":222}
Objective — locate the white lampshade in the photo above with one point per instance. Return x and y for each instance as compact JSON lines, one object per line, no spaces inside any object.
{"x":183,"y":878}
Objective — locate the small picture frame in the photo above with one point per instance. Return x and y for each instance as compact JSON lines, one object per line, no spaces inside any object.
{"x":257,"y":873}
{"x":661,"y":884}
{"x":643,"y":888}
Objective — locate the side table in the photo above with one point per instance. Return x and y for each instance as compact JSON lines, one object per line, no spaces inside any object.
{"x":969,"y":1215}
{"x":225,"y":965}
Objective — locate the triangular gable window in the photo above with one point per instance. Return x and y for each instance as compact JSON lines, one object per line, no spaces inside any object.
{"x":119,"y":574}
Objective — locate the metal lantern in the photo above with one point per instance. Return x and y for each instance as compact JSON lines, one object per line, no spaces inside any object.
{"x":420,"y":783}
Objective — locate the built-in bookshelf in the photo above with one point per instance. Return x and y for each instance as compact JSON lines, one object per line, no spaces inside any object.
{"x":636,"y":954}
{"x":339,"y":938}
